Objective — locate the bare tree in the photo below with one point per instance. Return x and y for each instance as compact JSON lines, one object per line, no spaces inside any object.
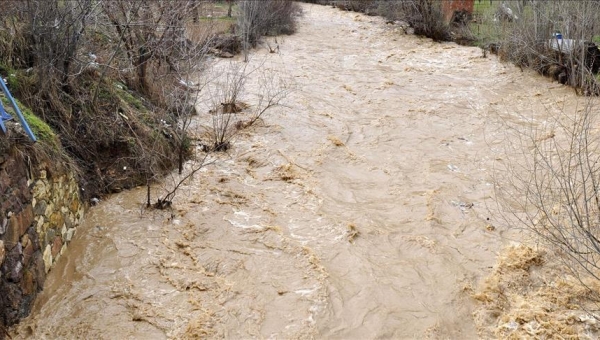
{"x":152,"y":35}
{"x":233,"y":108}
{"x":273,"y":88}
{"x":269,"y":17}
{"x":225,"y":95}
{"x":549,"y":183}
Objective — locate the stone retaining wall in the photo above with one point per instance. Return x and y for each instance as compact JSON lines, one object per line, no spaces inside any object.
{"x":40,"y":210}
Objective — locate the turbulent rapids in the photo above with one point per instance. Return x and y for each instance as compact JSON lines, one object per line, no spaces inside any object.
{"x":359,"y":210}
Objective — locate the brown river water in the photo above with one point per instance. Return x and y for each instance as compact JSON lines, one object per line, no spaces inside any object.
{"x":360,"y":210}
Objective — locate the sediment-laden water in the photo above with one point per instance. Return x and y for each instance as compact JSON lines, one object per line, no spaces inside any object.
{"x":360,"y":210}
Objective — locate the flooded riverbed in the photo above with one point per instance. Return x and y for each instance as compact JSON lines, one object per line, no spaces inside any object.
{"x":360,"y":210}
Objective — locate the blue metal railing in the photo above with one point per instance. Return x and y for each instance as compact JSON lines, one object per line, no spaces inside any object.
{"x":5,"y":116}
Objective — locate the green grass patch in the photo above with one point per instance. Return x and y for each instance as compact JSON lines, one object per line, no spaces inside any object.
{"x":6,"y":70}
{"x":42,"y":131}
{"x":11,"y":76}
{"x":485,"y":5}
{"x":483,"y":26}
{"x":131,"y":100}
{"x":18,"y":80}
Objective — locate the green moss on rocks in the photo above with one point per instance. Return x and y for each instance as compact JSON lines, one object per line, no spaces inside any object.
{"x":40,"y":129}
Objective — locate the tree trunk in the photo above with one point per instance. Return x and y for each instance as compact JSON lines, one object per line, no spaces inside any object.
{"x":181,"y":158}
{"x":148,"y":203}
{"x":142,"y":66}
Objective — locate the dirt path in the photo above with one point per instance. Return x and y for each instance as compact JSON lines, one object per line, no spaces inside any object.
{"x":360,"y":211}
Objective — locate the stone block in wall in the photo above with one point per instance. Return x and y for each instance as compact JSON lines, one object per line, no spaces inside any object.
{"x":34,"y":238}
{"x":39,"y":218}
{"x":47,"y":257}
{"x":3,"y":226}
{"x":40,"y":222}
{"x":40,"y":189}
{"x":10,"y":203}
{"x":56,"y":219}
{"x":13,"y":232}
{"x":49,"y":235}
{"x":26,"y":218}
{"x":18,"y":225}
{"x":27,"y":284}
{"x":10,"y":300}
{"x":70,"y":233}
{"x":40,"y":207}
{"x":69,"y":220}
{"x":49,"y":209}
{"x":12,"y":266}
{"x":38,"y":269}
{"x":28,"y":250}
{"x":74,"y":202}
{"x":56,"y":245}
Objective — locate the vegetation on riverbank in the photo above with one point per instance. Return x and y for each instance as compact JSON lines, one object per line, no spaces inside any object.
{"x":113,"y":80}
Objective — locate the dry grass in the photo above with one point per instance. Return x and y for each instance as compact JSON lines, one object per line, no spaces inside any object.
{"x":528,"y":296}
{"x":336,"y":141}
{"x":352,"y":233}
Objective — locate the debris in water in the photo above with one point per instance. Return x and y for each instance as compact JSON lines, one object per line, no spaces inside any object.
{"x":352,"y":233}
{"x":286,"y":172}
{"x":349,"y":89}
{"x":453,"y":168}
{"x":529,"y":294}
{"x":336,"y":141}
{"x":550,"y":135}
{"x":422,"y":241}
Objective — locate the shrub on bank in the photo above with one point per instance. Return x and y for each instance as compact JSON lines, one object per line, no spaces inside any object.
{"x":266,"y":18}
{"x":110,"y":91}
{"x":425,"y":16}
{"x":554,"y":38}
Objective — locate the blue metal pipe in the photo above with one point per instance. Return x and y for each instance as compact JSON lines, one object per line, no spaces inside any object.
{"x":3,"y":116}
{"x":2,"y":126}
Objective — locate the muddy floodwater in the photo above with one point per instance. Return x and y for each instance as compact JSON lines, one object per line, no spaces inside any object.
{"x":362,"y":209}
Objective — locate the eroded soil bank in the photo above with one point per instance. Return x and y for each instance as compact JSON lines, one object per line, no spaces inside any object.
{"x":359,"y":211}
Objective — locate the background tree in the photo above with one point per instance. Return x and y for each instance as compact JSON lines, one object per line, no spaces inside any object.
{"x":263,"y":18}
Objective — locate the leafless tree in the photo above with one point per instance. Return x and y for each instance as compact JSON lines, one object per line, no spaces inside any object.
{"x":273,"y":88}
{"x":152,"y":34}
{"x":233,"y":108}
{"x":269,"y":17}
{"x":549,"y":183}
{"x":225,"y":95}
